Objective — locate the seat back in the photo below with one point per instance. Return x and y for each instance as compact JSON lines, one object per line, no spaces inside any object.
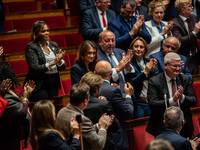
{"x":19,"y":66}
{"x":72,"y":58}
{"x":67,"y":85}
{"x":196,"y":125}
{"x":196,"y":87}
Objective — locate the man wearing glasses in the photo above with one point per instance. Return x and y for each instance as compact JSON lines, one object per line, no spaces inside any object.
{"x":95,"y":20}
{"x":186,"y":29}
{"x":171,"y":44}
{"x":179,"y":92}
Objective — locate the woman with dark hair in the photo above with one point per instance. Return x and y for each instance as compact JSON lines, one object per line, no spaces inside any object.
{"x":86,"y":60}
{"x":16,"y":111}
{"x":144,"y":69}
{"x":158,"y":29}
{"x":44,"y":135}
{"x":44,"y":59}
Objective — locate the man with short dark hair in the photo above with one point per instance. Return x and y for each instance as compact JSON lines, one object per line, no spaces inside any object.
{"x":94,"y":136}
{"x":174,"y":121}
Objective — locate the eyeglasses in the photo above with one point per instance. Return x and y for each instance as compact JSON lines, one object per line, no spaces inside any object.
{"x":175,"y":66}
{"x":168,"y":46}
{"x":106,"y":3}
{"x":129,"y":12}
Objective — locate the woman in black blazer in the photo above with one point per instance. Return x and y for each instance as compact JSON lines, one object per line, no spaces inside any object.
{"x":44,"y":59}
{"x":86,"y":60}
{"x":44,"y":135}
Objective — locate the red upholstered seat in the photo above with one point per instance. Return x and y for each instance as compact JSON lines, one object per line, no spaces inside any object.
{"x":67,"y":60}
{"x":59,"y":39}
{"x":6,"y":7}
{"x":65,"y":105}
{"x":55,"y":21}
{"x":73,"y":39}
{"x":75,"y":21}
{"x":74,"y":7}
{"x":141,"y":138}
{"x":67,"y":85}
{"x":19,"y":91}
{"x":19,"y":66}
{"x":8,"y":25}
{"x":196,"y":87}
{"x":12,"y":46}
{"x":17,"y":7}
{"x":198,"y":41}
{"x":24,"y":24}
{"x":196,"y":125}
{"x":72,"y":58}
{"x":61,"y":91}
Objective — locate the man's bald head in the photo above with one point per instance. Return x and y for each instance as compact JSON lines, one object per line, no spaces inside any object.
{"x":103,"y":68}
{"x":171,"y":44}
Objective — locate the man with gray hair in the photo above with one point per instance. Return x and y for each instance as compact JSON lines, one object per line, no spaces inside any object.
{"x":171,"y":44}
{"x":174,"y":121}
{"x":179,"y":92}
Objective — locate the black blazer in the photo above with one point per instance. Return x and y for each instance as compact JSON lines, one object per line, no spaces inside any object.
{"x":36,"y":62}
{"x":156,"y":85}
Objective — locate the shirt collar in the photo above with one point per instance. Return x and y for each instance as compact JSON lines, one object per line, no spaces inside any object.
{"x":99,"y":11}
{"x":183,"y":18}
{"x":106,"y":81}
{"x":153,"y":23}
{"x":168,"y":78}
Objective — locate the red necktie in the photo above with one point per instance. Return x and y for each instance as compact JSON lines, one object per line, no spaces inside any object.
{"x":104,"y":20}
{"x":174,"y":90}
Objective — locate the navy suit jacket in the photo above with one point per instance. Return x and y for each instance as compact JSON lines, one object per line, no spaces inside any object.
{"x":116,"y":5}
{"x":121,"y":30}
{"x":177,"y":141}
{"x":86,"y":4}
{"x":143,"y":11}
{"x":90,"y":25}
{"x":159,"y":56}
{"x":77,"y":71}
{"x":137,"y":78}
{"x":156,"y":101}
{"x":123,"y":109}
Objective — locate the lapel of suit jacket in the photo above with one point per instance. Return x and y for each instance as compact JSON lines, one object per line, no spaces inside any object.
{"x":41,"y":54}
{"x":124,"y":23}
{"x":135,"y":65}
{"x":104,"y":56}
{"x":164,"y":84}
{"x":96,"y":17}
{"x":180,"y":21}
{"x":179,"y":81}
{"x":52,"y":48}
{"x":117,"y":55}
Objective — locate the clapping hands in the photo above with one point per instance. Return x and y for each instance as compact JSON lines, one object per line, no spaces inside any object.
{"x":5,"y":87}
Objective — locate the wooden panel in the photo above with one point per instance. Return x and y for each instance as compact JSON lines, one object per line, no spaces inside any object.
{"x":8,"y":1}
{"x":196,"y":78}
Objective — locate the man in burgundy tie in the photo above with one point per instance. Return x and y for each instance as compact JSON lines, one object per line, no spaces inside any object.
{"x":95,"y":20}
{"x":179,"y":93}
{"x":186,"y":28}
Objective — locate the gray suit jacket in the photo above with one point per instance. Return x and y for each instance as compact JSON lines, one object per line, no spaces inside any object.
{"x":93,"y":139}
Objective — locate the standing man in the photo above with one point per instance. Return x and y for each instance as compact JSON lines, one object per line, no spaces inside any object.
{"x":171,"y":44}
{"x":141,"y":10}
{"x":116,"y":57}
{"x":126,"y":26}
{"x":95,"y":20}
{"x":94,"y":136}
{"x":179,"y":92}
{"x":186,"y":29}
{"x":123,"y":107}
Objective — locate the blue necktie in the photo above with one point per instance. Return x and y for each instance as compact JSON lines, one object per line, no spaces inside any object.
{"x":121,"y":81}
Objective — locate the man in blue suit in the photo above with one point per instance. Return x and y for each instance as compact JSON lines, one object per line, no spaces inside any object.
{"x":95,"y":20}
{"x":171,"y":44}
{"x":174,"y":121}
{"x":126,"y":26}
{"x":141,"y":10}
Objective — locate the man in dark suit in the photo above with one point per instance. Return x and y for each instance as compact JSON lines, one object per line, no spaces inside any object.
{"x":98,"y":105}
{"x":196,"y":5}
{"x":86,"y":4}
{"x":171,"y":44}
{"x":174,"y":121}
{"x":179,"y":92}
{"x":126,"y":26}
{"x":186,"y":29}
{"x":123,"y":107}
{"x":116,"y":57}
{"x":141,"y":10}
{"x":95,"y":20}
{"x":116,"y":6}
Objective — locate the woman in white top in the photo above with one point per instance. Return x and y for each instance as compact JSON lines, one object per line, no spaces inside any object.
{"x":158,"y":29}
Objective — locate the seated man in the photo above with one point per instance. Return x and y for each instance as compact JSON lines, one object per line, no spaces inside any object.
{"x":94,"y":136}
{"x":179,"y":92}
{"x":98,"y":105}
{"x":126,"y":26}
{"x":141,"y":10}
{"x":174,"y":121}
{"x":171,"y":44}
{"x":95,"y":20}
{"x":123,"y":107}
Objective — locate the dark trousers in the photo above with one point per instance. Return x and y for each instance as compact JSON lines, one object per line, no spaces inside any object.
{"x":48,"y":90}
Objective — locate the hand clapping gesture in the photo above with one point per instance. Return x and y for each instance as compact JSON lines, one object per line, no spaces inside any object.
{"x":28,"y":89}
{"x":59,"y":56}
{"x":5,"y":87}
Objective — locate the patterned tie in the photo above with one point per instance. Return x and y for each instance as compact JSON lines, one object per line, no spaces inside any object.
{"x":174,"y":90}
{"x":121,"y":81}
{"x":103,"y":19}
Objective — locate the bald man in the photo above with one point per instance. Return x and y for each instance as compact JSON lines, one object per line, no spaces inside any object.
{"x":122,"y":107}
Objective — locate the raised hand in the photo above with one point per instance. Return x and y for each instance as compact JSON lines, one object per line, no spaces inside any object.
{"x":74,"y":128}
{"x":5,"y":87}
{"x":178,"y":94}
{"x":104,"y":121}
{"x":28,"y":89}
{"x":154,"y":62}
{"x":128,"y":89}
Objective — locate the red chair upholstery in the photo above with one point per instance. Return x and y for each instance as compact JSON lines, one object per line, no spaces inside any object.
{"x":65,"y":105}
{"x":18,"y":7}
{"x":55,"y":21}
{"x":141,"y":138}
{"x":72,"y":58}
{"x":61,"y":91}
{"x":19,"y":91}
{"x":59,"y":39}
{"x":67,"y":85}
{"x":196,"y":125}
{"x":75,"y":21}
{"x":24,"y":24}
{"x":8,"y":25}
{"x":73,"y":39}
{"x":198,"y":41}
{"x":12,"y":46}
{"x":6,"y":7}
{"x":74,"y":7}
{"x":67,"y":60}
{"x":196,"y":87}
{"x":19,"y":66}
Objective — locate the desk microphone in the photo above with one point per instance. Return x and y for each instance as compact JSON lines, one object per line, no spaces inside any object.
{"x":79,"y":120}
{"x":165,"y":97}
